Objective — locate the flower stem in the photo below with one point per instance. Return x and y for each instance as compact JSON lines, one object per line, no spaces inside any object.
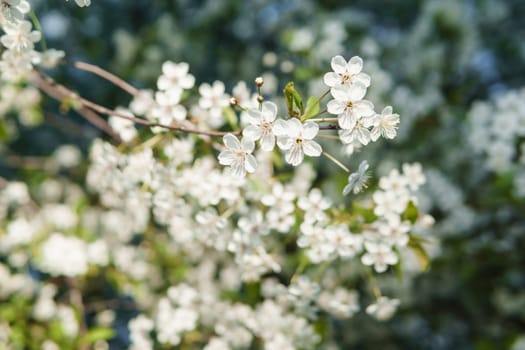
{"x":338,"y":163}
{"x":38,"y":27}
{"x":323,"y":120}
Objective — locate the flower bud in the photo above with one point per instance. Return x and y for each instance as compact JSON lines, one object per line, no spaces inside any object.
{"x":259,"y":81}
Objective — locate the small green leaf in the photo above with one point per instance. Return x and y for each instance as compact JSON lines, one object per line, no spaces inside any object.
{"x":230,"y":117}
{"x":411,"y":213}
{"x":96,"y":334}
{"x":3,"y":131}
{"x":420,"y":252}
{"x":292,"y":98}
{"x":312,"y":108}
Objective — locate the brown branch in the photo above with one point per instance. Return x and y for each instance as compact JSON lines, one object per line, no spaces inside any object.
{"x":330,"y":127}
{"x":59,"y":95}
{"x":40,"y":79}
{"x":106,"y":75}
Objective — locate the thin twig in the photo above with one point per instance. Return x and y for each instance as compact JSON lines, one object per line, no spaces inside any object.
{"x":330,"y":127}
{"x":338,"y":163}
{"x":40,"y":79}
{"x":106,"y":75}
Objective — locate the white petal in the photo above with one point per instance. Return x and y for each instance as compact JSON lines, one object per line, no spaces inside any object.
{"x":335,"y":107}
{"x":310,"y":130}
{"x":238,"y":169}
{"x":340,"y":93}
{"x":347,"y":119}
{"x":269,"y":111}
{"x":356,"y":91}
{"x":387,"y":110}
{"x":364,"y":108}
{"x":362,"y":78}
{"x":268,"y":142}
{"x":227,"y":157}
{"x":363,"y":135}
{"x":375,"y":134}
{"x":331,"y":79}
{"x":252,"y":132}
{"x":250,"y":163}
{"x":255,"y":115}
{"x":231,"y":142}
{"x":355,"y":65}
{"x":295,"y":127}
{"x":347,"y":190}
{"x":279,"y":127}
{"x":338,"y":64}
{"x":248,"y":145}
{"x":285,"y":143}
{"x":312,"y":148}
{"x":294,"y":155}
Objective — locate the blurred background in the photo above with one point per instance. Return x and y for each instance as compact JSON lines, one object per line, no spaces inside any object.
{"x":453,"y":70}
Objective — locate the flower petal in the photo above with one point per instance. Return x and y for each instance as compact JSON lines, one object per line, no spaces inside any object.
{"x":252,"y":132}
{"x":269,"y":111}
{"x":355,"y":65}
{"x":268,"y":142}
{"x":250,"y":164}
{"x":227,"y":157}
{"x":294,"y":155}
{"x":338,"y":64}
{"x":331,"y":79}
{"x":335,"y":107}
{"x":231,"y":142}
{"x":312,"y":148}
{"x":310,"y":130}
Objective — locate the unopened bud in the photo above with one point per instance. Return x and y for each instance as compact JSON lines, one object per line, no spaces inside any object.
{"x":233,"y":101}
{"x":259,"y":81}
{"x":260,"y":99}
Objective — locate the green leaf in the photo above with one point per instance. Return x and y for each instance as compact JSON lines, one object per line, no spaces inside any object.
{"x":231,"y":117}
{"x":312,"y":108}
{"x":96,"y":334}
{"x":292,"y":98}
{"x":420,"y":252}
{"x":3,"y":131}
{"x":411,"y":213}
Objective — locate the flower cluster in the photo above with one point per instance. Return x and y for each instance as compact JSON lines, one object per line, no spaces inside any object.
{"x":496,"y":130}
{"x":202,"y":254}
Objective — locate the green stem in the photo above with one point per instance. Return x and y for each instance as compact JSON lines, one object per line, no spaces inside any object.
{"x":373,"y":283}
{"x":38,"y":27}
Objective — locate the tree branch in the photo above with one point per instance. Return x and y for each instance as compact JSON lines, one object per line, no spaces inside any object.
{"x":106,"y":75}
{"x":59,"y":92}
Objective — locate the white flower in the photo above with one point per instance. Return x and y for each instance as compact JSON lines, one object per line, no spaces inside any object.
{"x":14,"y":10}
{"x":380,"y":255}
{"x":262,"y":125}
{"x":346,"y":73}
{"x":385,"y":124}
{"x":175,"y":77}
{"x":383,"y":308}
{"x":297,"y":139}
{"x":414,"y":175}
{"x":359,"y":132}
{"x":238,"y":155}
{"x":124,"y":127}
{"x":348,"y":104}
{"x":19,"y":37}
{"x":168,"y":108}
{"x":50,"y":58}
{"x":357,"y":181}
{"x":82,"y":3}
{"x":63,"y":255}
{"x":213,"y":98}
{"x":395,"y":230}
